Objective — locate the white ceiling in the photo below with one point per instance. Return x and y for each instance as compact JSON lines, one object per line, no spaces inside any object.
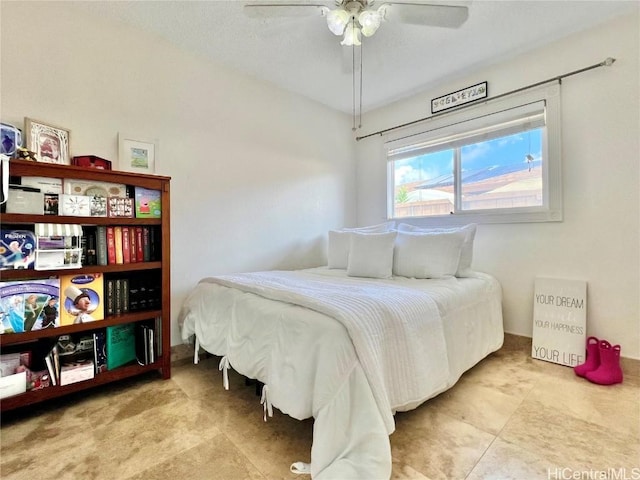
{"x":303,"y":56}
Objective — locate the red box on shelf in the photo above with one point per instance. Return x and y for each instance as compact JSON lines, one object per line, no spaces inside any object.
{"x":91,"y":161}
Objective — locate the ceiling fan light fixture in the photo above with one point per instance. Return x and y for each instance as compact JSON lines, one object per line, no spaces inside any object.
{"x":337,"y":20}
{"x":370,"y":20}
{"x":351,"y":36}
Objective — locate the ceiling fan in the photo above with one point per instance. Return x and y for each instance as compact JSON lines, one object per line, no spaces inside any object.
{"x":353,"y":18}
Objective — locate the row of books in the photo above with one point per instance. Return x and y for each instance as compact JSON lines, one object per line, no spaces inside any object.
{"x":79,"y":357}
{"x":52,"y":246}
{"x":36,"y":304}
{"x":132,"y":294}
{"x":111,"y":245}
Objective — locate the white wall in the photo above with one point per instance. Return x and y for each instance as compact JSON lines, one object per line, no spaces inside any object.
{"x":258,"y":174}
{"x":598,"y":240}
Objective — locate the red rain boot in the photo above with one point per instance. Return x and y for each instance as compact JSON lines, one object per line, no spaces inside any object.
{"x":609,"y":371}
{"x":593,"y":358}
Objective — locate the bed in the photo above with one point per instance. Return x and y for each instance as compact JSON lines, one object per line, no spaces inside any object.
{"x":347,"y":350}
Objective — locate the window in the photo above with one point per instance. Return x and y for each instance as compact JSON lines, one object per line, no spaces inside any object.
{"x":496,"y":162}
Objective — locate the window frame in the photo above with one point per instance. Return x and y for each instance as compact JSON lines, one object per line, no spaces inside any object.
{"x":453,"y":123}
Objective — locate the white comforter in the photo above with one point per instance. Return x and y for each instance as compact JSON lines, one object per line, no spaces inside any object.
{"x":349,"y":352}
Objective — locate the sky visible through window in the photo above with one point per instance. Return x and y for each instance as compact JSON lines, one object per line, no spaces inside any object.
{"x":511,"y":150}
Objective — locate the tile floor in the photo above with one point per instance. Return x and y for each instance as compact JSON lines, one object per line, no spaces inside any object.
{"x":510,"y":417}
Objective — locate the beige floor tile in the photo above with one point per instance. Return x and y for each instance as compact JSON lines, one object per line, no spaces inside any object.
{"x":505,"y":461}
{"x":614,"y":407}
{"x":214,"y":459}
{"x":436,"y":445}
{"x":45,"y":440}
{"x":568,"y":442}
{"x":273,"y":445}
{"x":71,"y":462}
{"x":402,"y":471}
{"x":483,"y":407}
{"x":150,"y":436}
{"x":510,"y":374}
{"x":106,"y":408}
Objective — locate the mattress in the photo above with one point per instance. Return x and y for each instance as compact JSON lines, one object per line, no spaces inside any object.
{"x":308,"y":361}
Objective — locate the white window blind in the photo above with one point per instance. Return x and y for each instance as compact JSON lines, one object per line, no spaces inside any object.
{"x":487,"y":127}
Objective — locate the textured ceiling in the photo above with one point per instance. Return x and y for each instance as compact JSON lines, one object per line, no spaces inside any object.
{"x":302,"y":56}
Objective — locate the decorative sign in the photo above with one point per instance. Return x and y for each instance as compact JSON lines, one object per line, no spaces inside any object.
{"x":559,"y":321}
{"x":460,"y":97}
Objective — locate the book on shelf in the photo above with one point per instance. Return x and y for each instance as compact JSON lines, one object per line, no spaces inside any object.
{"x":117,"y":235}
{"x":100,"y":350}
{"x":140,"y":244}
{"x":133,"y":245}
{"x":126,"y":245}
{"x":110,"y":296}
{"x":118,"y":296}
{"x":88,"y":244}
{"x":101,"y":245}
{"x":124,"y":286}
{"x":146,"y":340}
{"x":29,"y":305}
{"x":158,"y":325}
{"x":83,"y":298}
{"x":121,"y":345}
{"x":17,"y":249}
{"x":111,"y":245}
{"x":51,"y":369}
{"x":147,"y":203}
{"x":145,"y":292}
{"x":146,"y":244}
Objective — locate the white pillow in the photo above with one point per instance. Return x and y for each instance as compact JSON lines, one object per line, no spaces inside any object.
{"x":338,"y":254}
{"x":466,"y":254}
{"x":371,"y":255}
{"x":427,"y":255}
{"x":379,"y":228}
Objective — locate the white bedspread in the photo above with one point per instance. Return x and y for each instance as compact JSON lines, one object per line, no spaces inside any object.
{"x":315,"y":366}
{"x":396,"y":331}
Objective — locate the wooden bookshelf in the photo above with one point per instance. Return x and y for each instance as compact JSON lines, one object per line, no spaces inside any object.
{"x":160,"y":267}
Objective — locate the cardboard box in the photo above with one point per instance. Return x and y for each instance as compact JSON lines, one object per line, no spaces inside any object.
{"x":13,"y":384}
{"x":74,"y":205}
{"x":93,"y":189}
{"x":25,"y":200}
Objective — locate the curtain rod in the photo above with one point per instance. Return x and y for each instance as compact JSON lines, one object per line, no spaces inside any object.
{"x":607,"y":62}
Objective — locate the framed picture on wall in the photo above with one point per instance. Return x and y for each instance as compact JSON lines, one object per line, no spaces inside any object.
{"x":50,"y":143}
{"x":135,"y":154}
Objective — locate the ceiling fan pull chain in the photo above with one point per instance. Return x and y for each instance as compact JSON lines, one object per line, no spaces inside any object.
{"x":361,"y":74}
{"x":353,"y":84}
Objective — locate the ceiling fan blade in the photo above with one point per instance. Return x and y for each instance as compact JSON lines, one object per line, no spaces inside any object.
{"x":430,"y":14}
{"x":289,"y":9}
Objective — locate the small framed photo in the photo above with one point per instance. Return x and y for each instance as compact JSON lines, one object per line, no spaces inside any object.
{"x":120,"y":207}
{"x":75,"y":205}
{"x":136,"y":155}
{"x":50,"y":143}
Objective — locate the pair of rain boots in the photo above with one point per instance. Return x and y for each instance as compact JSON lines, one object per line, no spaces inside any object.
{"x":603,"y":363}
